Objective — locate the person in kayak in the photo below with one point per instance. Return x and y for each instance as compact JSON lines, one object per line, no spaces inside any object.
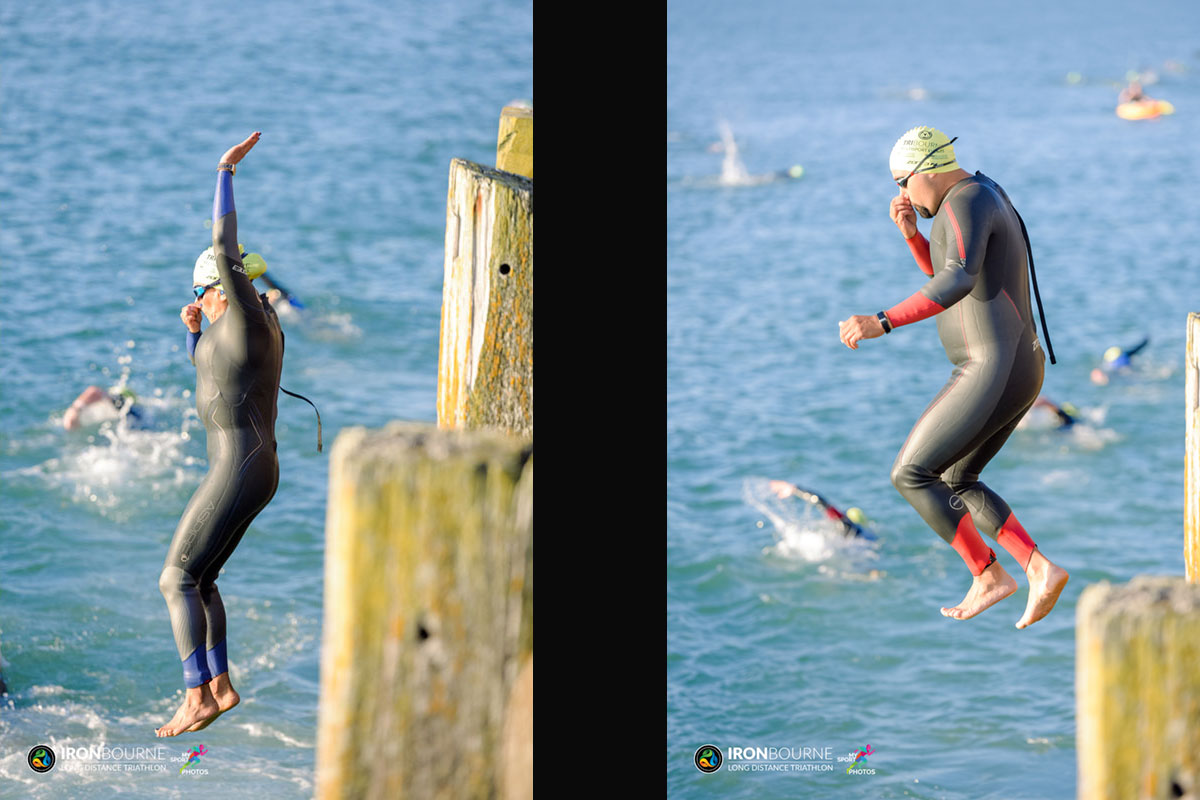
{"x":979,"y":292}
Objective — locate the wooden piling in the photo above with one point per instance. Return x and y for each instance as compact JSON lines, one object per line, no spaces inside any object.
{"x":485,"y":359}
{"x":1137,"y":688}
{"x":428,"y":618}
{"x":514,"y":142}
{"x":1191,"y":483}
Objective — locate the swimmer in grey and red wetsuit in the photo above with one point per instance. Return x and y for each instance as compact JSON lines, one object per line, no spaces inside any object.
{"x":238,"y":364}
{"x":979,"y":291}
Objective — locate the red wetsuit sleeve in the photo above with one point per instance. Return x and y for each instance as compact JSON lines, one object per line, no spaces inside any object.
{"x":919,"y":246}
{"x":914,"y":309}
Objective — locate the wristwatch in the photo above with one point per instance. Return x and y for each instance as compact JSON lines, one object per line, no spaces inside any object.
{"x":885,"y":322}
{"x":231,"y":167}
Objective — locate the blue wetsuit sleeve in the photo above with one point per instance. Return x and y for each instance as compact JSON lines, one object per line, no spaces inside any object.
{"x":192,"y":339}
{"x":246,"y":315}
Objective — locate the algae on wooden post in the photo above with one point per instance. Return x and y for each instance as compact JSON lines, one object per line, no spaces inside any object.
{"x":428,"y":610}
{"x":1137,"y":689}
{"x":1191,"y":470}
{"x":485,"y":361}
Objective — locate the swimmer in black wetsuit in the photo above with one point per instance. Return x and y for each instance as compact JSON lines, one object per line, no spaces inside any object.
{"x":94,"y":405}
{"x":238,"y":363}
{"x":847,"y":523}
{"x":979,"y":290}
{"x":1063,"y":412}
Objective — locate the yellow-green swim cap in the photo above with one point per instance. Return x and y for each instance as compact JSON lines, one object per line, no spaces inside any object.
{"x":919,"y":142}
{"x":254,"y":264}
{"x":205,"y":271}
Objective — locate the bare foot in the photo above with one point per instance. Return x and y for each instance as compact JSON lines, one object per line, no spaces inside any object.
{"x":988,"y":588}
{"x":197,"y":706}
{"x":226,"y":697}
{"x":1046,"y":582}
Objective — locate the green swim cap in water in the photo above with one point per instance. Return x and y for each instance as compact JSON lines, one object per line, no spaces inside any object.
{"x":205,"y":271}
{"x":919,"y":142}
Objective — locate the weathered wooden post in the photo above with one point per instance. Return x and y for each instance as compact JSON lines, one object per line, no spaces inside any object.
{"x":426,"y":658}
{"x":427,"y":650}
{"x":1191,"y":483}
{"x":1137,"y":689}
{"x":485,"y":361}
{"x":514,"y":142}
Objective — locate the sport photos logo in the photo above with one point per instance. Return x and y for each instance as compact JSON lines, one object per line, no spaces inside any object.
{"x":858,"y":762}
{"x":708,"y":758}
{"x":193,"y":757}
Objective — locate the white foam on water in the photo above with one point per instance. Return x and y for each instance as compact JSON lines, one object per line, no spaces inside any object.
{"x":1087,"y":433}
{"x":121,"y":466}
{"x":257,"y":730}
{"x":333,"y":327}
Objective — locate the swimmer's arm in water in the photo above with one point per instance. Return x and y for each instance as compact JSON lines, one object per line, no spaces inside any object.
{"x":245,"y":311}
{"x":89,"y":395}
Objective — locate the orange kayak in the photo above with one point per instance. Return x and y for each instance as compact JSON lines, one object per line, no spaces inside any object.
{"x":1144,"y":109}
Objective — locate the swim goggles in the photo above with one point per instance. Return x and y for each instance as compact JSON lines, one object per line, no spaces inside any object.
{"x":200,"y":290}
{"x":903,"y":182}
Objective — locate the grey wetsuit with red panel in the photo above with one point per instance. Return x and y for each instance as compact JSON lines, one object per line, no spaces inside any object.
{"x":979,"y":290}
{"x":238,"y":364}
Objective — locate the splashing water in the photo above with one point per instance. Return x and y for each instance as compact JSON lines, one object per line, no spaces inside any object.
{"x":802,"y":531}
{"x":122,"y":467}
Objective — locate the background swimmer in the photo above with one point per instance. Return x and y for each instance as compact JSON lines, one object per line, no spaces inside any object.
{"x":1116,"y":361}
{"x":95,"y":405}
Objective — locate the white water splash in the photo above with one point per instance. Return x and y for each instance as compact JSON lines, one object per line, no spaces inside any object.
{"x":801,"y":531}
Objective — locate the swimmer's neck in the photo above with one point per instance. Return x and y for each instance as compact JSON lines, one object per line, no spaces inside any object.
{"x":943,"y":182}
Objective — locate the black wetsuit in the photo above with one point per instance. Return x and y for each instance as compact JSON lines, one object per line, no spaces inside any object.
{"x":238,"y":364}
{"x":980,"y":293}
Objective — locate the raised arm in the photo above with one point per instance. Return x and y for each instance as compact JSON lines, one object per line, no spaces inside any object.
{"x":244,"y":306}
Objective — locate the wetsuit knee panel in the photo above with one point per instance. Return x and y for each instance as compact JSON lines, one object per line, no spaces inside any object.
{"x":909,"y":477}
{"x":174,"y":580}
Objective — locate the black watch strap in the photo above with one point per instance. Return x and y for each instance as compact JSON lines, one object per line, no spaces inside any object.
{"x":885,"y":322}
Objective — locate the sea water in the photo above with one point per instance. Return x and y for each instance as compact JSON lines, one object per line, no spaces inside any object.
{"x":112,"y":118}
{"x":779,"y":636}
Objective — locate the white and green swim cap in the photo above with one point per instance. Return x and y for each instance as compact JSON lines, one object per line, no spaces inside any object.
{"x":919,"y":142}
{"x":205,"y":271}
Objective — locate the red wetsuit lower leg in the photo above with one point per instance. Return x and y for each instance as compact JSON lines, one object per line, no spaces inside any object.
{"x":971,"y":547}
{"x":1013,"y":538}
